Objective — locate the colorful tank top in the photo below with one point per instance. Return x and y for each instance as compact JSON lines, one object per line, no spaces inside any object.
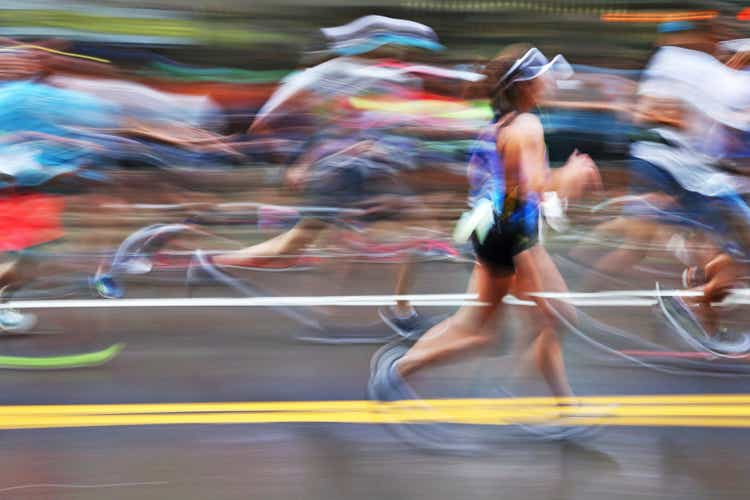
{"x":487,"y":181}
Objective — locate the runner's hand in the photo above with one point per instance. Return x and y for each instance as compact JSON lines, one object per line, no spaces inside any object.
{"x":576,"y":177}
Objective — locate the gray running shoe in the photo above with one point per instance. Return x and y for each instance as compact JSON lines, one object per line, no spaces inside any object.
{"x":385,"y":384}
{"x":410,"y":328}
{"x":729,"y":343}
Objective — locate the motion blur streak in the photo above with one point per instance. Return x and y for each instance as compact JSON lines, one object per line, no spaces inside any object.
{"x":658,"y":17}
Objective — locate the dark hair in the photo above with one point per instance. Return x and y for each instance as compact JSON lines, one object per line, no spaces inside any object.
{"x":502,"y":99}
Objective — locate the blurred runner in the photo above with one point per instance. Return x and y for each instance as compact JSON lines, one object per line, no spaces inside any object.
{"x":54,"y":137}
{"x":694,"y":106}
{"x":508,"y":174}
{"x":350,"y":164}
{"x":26,"y":222}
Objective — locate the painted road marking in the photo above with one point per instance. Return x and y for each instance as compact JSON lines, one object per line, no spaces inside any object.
{"x":340,"y":300}
{"x":701,"y":410}
{"x":614,"y":298}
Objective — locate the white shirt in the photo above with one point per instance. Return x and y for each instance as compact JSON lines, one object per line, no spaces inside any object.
{"x":715,"y":100}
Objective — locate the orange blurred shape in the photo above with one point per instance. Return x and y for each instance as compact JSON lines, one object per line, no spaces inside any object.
{"x":744,"y":14}
{"x":658,"y":17}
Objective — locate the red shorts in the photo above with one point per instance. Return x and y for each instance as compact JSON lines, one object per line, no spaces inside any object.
{"x":28,"y":220}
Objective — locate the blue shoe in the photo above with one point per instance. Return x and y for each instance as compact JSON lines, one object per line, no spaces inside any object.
{"x":108,"y":287}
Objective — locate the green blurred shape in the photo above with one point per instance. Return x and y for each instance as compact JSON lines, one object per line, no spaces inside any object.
{"x":206,"y":31}
{"x":84,"y":360}
{"x":226,"y":75}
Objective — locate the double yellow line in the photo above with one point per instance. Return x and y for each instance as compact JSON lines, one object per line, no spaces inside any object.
{"x":654,"y":410}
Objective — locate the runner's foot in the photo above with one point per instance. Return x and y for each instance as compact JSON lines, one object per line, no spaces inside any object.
{"x":13,"y":321}
{"x":107,"y":287}
{"x":385,"y":383}
{"x":410,"y":326}
{"x":721,"y":341}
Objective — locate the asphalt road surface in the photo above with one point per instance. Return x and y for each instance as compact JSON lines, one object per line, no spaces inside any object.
{"x":253,"y":354}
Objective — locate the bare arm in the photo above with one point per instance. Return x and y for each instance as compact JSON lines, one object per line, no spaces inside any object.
{"x":660,"y":111}
{"x":521,"y":145}
{"x":525,"y":158}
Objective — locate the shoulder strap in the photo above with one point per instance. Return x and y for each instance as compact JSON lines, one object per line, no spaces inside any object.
{"x":506,"y":119}
{"x":503,"y":122}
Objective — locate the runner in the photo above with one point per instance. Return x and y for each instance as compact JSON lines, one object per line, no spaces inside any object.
{"x":353,"y":158}
{"x":508,"y":174}
{"x":693,"y":105}
{"x":53,"y":134}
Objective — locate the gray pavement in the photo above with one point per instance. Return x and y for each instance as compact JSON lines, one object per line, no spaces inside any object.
{"x":231,"y":354}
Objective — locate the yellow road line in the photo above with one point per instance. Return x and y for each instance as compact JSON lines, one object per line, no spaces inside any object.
{"x":700,"y":410}
{"x":358,"y":405}
{"x":68,"y":421}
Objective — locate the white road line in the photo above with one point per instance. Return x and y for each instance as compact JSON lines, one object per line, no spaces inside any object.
{"x":621,"y":293}
{"x":344,"y":300}
{"x":615,"y":298}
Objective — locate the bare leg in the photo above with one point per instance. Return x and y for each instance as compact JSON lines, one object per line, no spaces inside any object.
{"x":463,"y":332}
{"x":537,"y":272}
{"x":15,"y":275}
{"x":8,"y":270}
{"x":290,"y":242}
{"x":404,"y":282}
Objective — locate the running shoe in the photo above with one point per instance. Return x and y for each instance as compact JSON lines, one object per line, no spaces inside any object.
{"x":723,"y":342}
{"x":108,"y":287}
{"x":13,"y":321}
{"x":385,"y":383}
{"x":729,"y":343}
{"x":410,"y":328}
